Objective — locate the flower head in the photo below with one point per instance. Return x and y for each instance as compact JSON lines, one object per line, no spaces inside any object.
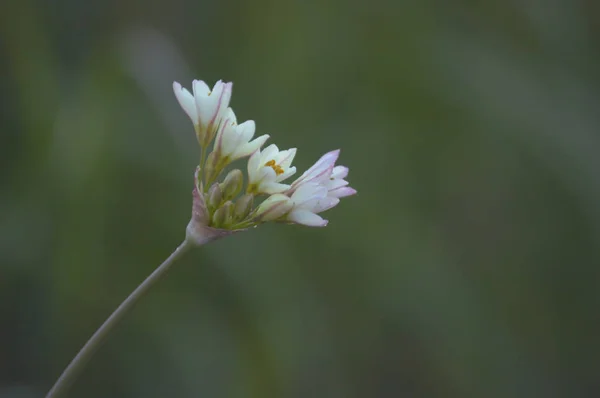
{"x":205,"y":107}
{"x":220,"y":208}
{"x":268,"y":168}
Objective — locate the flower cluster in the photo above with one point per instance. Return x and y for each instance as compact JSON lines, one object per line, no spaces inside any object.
{"x":224,"y":206}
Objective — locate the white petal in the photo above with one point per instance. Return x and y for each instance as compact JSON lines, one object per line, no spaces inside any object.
{"x":200,"y":88}
{"x":267,"y":173}
{"x":269,"y":153}
{"x":230,"y":115}
{"x":286,"y":158}
{"x":286,"y":174}
{"x":273,"y":187}
{"x":246,"y":130}
{"x":307,"y":218}
{"x":230,"y":138}
{"x":186,"y":100}
{"x":251,"y":147}
{"x":253,"y":162}
{"x":339,"y":172}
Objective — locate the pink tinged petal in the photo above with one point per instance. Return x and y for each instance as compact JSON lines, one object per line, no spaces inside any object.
{"x":322,"y":204}
{"x":325,"y":163}
{"x":339,"y":172}
{"x":342,"y":192}
{"x":186,"y":100}
{"x":223,"y":90}
{"x":307,"y":218}
{"x":219,"y":140}
{"x":307,"y":192}
{"x":221,"y":132}
{"x":335,"y":184}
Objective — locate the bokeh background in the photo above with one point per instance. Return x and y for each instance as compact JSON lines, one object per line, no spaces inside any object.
{"x":467,"y":265}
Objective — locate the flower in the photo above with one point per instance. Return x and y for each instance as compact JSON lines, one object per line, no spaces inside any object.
{"x":268,"y":168}
{"x":205,"y":107}
{"x":318,"y":189}
{"x":233,"y":140}
{"x":308,"y":200}
{"x":325,"y":172}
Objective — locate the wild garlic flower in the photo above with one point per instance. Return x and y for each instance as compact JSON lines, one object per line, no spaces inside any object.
{"x":233,"y":140}
{"x":268,"y":168}
{"x":205,"y":107}
{"x":222,"y":206}
{"x":325,"y":172}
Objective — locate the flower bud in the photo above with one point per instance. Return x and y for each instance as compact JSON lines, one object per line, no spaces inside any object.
{"x":274,"y":207}
{"x":215,"y":196}
{"x":232,"y":185}
{"x":243,"y":206}
{"x":222,"y":215}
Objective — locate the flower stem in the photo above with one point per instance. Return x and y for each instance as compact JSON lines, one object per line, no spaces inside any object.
{"x":85,"y":354}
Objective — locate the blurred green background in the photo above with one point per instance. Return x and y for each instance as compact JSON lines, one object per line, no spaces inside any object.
{"x":467,"y":265}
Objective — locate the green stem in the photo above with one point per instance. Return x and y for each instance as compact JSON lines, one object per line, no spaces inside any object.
{"x":78,"y":363}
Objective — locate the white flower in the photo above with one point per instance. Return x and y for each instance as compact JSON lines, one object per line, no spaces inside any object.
{"x":205,"y":107}
{"x":268,"y":168}
{"x":233,"y":140}
{"x":308,"y":200}
{"x":326,"y":173}
{"x":318,"y":189}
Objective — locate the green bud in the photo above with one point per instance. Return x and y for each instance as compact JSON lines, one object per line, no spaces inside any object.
{"x":232,"y":185}
{"x":215,"y":196}
{"x":223,"y":215}
{"x":243,"y":206}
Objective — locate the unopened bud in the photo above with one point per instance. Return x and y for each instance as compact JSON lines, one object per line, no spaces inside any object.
{"x":232,"y":185}
{"x":215,"y":196}
{"x":274,"y":207}
{"x":243,"y":206}
{"x":222,"y":215}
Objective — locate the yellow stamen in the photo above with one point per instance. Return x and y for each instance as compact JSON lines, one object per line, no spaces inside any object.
{"x":276,"y":167}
